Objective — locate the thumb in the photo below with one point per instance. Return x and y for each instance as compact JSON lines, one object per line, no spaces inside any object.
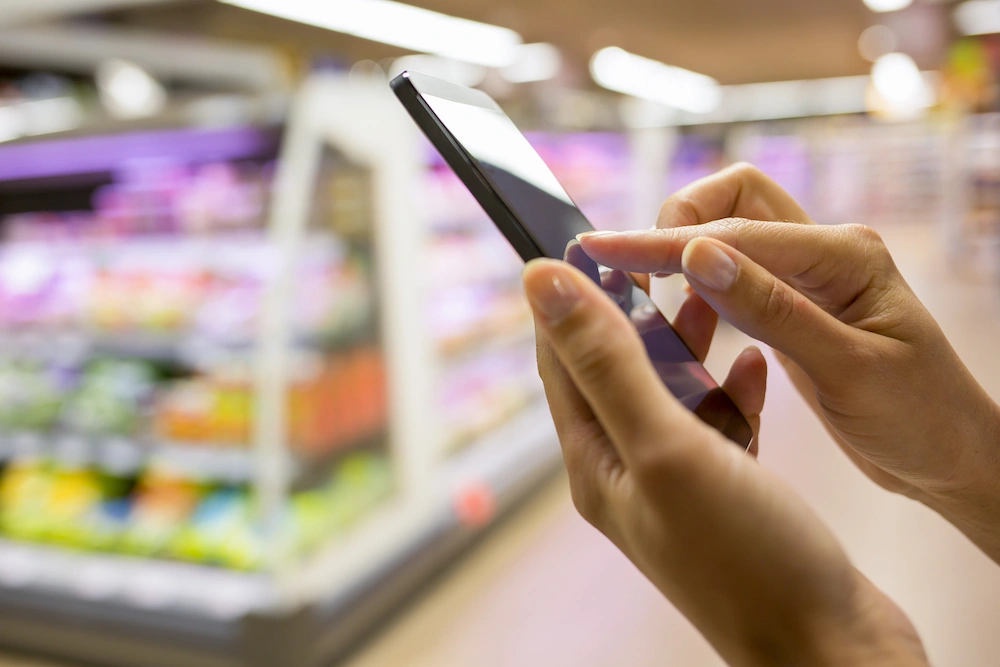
{"x":756,"y":302}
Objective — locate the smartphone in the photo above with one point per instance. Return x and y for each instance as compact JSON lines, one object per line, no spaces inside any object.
{"x":526,"y":202}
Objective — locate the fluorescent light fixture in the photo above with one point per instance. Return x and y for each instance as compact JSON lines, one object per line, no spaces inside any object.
{"x":789,"y":99}
{"x":624,"y":72}
{"x":899,"y":83}
{"x":449,"y":69}
{"x":978,"y":17}
{"x":880,"y":6}
{"x":401,"y":25}
{"x":535,"y":62}
{"x":795,"y":99}
{"x":129,"y":91}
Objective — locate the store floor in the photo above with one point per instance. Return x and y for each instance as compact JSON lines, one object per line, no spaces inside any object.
{"x":545,"y":590}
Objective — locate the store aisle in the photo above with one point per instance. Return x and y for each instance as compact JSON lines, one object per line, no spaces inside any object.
{"x":546,"y":590}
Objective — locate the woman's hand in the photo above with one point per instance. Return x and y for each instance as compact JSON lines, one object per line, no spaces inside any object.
{"x":727,"y":542}
{"x":855,"y":340}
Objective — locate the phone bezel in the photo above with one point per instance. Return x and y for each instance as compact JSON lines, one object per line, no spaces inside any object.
{"x":410,"y":88}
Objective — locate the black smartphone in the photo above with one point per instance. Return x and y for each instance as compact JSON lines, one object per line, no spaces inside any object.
{"x":526,"y":202}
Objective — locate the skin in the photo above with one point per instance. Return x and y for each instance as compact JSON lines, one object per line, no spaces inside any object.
{"x":724,"y":539}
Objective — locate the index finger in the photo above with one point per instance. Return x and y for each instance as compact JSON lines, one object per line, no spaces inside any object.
{"x":740,"y":191}
{"x":783,"y":248}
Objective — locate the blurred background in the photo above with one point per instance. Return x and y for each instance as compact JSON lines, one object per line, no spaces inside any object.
{"x":267,"y":383}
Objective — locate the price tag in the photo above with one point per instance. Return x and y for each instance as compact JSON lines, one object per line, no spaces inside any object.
{"x":475,"y":505}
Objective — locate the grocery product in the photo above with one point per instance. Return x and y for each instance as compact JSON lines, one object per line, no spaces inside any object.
{"x":111,"y":398}
{"x":161,"y":505}
{"x":164,"y":516}
{"x":32,"y":395}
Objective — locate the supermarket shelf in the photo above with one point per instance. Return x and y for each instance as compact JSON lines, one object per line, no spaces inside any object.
{"x":180,"y":348}
{"x":503,"y":279}
{"x":132,"y":582}
{"x":505,"y":459}
{"x":164,"y":614}
{"x":124,"y":457}
{"x":457,"y":351}
{"x":308,"y":473}
{"x":138,"y":345}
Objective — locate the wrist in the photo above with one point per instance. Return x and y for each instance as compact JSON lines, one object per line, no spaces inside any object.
{"x":970,"y":497}
{"x":869,"y":630}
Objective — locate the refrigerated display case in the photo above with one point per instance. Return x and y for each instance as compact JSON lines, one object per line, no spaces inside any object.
{"x":251,"y":390}
{"x":481,"y":325}
{"x":973,"y":213}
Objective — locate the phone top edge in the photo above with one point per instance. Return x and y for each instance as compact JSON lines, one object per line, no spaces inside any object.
{"x":400,"y":80}
{"x":429,"y":85}
{"x":463,"y":165}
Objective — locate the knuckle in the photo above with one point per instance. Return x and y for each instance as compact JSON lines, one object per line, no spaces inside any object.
{"x":779,"y":304}
{"x":593,"y":352}
{"x":679,"y":210}
{"x":746,"y":172}
{"x":592,"y":360}
{"x":864,"y":234}
{"x":870,"y":243}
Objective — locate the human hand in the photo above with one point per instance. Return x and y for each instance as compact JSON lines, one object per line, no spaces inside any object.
{"x":725,"y":540}
{"x":857,"y":343}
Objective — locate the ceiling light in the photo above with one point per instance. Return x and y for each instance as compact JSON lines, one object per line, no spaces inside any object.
{"x":674,"y":87}
{"x":887,"y":5}
{"x":978,"y":17}
{"x":455,"y":71}
{"x":876,"y":41}
{"x":129,"y":91}
{"x":401,"y":25}
{"x":535,"y":62}
{"x":794,"y":99}
{"x":900,"y":86}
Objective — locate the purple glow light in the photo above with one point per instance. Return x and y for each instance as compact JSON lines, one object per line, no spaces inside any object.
{"x":92,"y":155}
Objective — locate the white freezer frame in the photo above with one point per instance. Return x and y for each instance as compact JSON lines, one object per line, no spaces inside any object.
{"x":365,"y":123}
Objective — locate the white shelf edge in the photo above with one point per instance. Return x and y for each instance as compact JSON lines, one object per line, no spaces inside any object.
{"x":149,"y":584}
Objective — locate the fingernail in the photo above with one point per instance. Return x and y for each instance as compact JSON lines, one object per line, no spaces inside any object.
{"x":553,"y":297}
{"x":594,"y":235}
{"x":709,"y":265}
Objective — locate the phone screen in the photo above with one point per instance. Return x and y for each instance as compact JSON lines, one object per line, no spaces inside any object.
{"x":529,"y":189}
